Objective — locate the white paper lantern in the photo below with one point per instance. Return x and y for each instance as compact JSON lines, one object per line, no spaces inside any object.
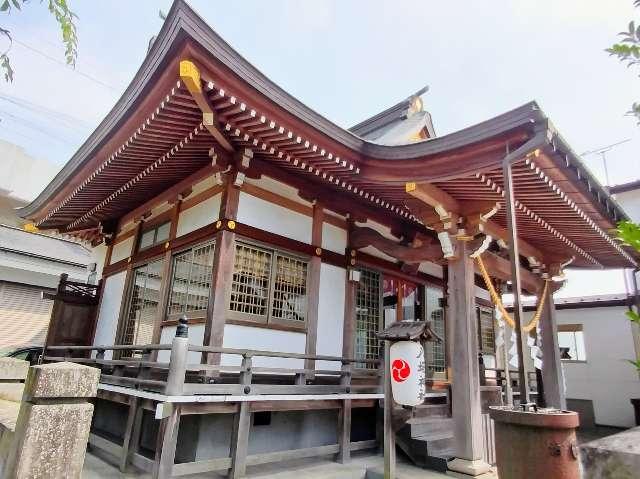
{"x":407,"y":372}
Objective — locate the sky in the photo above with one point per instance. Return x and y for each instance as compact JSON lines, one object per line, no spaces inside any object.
{"x":348,"y":60}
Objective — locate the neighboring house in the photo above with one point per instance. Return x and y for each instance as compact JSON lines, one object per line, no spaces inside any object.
{"x":598,"y":341}
{"x":30,"y":263}
{"x":289,"y":243}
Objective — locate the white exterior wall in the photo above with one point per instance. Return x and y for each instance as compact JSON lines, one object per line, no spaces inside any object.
{"x":605,"y":377}
{"x":334,"y":238}
{"x":112,"y":296}
{"x":274,"y":218}
{"x":249,"y":337}
{"x":122,"y":250}
{"x":330,"y":314}
{"x":196,"y":336}
{"x":630,"y":202}
{"x":200,"y":215}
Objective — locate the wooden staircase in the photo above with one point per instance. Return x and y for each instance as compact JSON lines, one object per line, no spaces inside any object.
{"x":427,"y":436}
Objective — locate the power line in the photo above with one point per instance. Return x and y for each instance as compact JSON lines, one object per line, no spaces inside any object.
{"x":76,"y":123}
{"x":28,"y":124}
{"x":59,"y":62}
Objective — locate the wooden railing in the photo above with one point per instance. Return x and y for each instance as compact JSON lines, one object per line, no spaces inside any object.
{"x":179,"y":377}
{"x":496,"y":376}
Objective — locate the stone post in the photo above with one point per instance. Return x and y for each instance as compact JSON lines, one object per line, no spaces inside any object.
{"x":52,"y":429}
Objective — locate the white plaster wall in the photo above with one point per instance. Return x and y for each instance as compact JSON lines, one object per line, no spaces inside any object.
{"x":109,"y":311}
{"x":200,"y":215}
{"x":334,"y":238}
{"x":98,"y":255}
{"x":122,"y":250}
{"x":279,"y":188}
{"x":196,"y":336}
{"x":606,"y":377}
{"x":274,"y":218}
{"x":432,"y":269}
{"x":249,"y":337}
{"x":630,"y":202}
{"x":330,"y":314}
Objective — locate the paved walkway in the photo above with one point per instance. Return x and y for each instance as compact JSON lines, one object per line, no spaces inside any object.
{"x":314,"y":468}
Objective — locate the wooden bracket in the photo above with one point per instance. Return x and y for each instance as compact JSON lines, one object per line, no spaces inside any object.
{"x":190,"y":76}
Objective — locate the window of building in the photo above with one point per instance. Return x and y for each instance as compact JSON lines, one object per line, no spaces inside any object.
{"x":368,"y":314}
{"x":154,"y":235}
{"x":268,"y":286}
{"x":435,"y":352}
{"x":190,"y":282}
{"x":142,"y":309}
{"x":486,"y":333}
{"x":571,"y":342}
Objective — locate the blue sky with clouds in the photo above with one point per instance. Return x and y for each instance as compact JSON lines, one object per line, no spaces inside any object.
{"x":348,"y":60}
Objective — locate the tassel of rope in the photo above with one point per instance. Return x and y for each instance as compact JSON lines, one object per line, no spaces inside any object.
{"x":498,"y":302}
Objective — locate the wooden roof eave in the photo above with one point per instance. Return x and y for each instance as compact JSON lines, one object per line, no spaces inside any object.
{"x":184,"y":27}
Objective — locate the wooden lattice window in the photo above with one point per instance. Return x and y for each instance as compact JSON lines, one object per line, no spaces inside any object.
{"x":268,"y":286}
{"x":486,"y":333}
{"x":142,"y":310}
{"x":191,"y":282}
{"x":368,"y":317}
{"x":436,"y":352}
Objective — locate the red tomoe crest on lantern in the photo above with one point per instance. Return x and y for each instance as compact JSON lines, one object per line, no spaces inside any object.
{"x":407,"y":371}
{"x":400,"y":370}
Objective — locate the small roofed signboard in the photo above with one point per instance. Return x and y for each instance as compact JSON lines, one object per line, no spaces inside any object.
{"x":406,"y":359}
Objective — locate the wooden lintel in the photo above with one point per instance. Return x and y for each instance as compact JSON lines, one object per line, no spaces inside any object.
{"x":500,"y":268}
{"x":361,"y":237}
{"x":190,"y":76}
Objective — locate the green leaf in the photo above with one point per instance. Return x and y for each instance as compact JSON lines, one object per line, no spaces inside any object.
{"x":636,"y":363}
{"x":4,"y":6}
{"x":634,"y":317}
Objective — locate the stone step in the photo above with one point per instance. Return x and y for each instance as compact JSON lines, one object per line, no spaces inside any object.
{"x":421,"y":426}
{"x":430,"y":410}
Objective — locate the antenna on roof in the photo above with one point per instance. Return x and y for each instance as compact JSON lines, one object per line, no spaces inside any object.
{"x":602,"y":151}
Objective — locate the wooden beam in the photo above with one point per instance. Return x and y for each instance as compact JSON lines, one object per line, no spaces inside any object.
{"x":190,"y":76}
{"x":361,"y":237}
{"x":438,"y":199}
{"x":500,"y":268}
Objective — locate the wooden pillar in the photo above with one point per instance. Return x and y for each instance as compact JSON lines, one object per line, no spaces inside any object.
{"x":552,"y":374}
{"x":389,"y":435}
{"x":223,"y":261}
{"x":166,"y":444}
{"x":467,"y":418}
{"x":351,"y":289}
{"x":313,"y":289}
{"x":344,"y":432}
{"x":130,"y":441}
{"x":241,"y":426}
